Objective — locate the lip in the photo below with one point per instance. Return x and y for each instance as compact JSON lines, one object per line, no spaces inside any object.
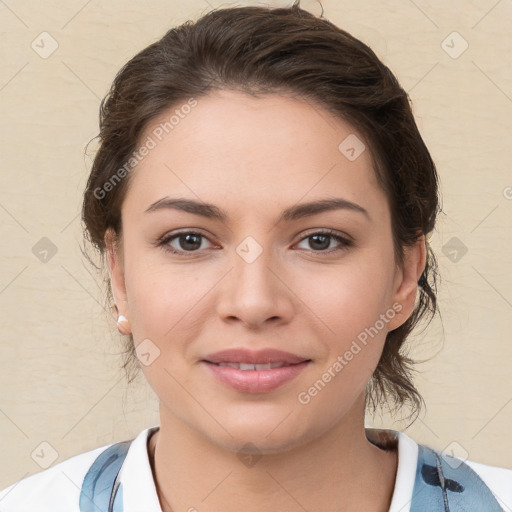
{"x":263,"y":356}
{"x":255,"y":381}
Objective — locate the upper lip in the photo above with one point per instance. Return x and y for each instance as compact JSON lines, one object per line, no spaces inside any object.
{"x":243,"y":355}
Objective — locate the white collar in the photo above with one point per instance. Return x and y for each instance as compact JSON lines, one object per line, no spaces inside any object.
{"x":405,"y":474}
{"x":139,"y":491}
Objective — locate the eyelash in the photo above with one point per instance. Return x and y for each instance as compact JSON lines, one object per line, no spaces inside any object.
{"x":166,"y":239}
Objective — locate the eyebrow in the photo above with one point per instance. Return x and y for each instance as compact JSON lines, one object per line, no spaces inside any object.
{"x":292,"y":213}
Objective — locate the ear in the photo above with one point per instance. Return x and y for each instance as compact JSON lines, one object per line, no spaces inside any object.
{"x":116,"y":271}
{"x":406,"y":281}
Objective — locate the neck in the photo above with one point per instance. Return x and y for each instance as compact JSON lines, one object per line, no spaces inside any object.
{"x":339,"y":470}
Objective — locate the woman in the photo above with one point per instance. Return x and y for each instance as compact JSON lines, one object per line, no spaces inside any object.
{"x":263,"y":199}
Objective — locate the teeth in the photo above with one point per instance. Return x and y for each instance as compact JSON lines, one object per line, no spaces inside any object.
{"x":250,"y":366}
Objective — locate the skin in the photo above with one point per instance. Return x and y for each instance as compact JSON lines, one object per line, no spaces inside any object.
{"x":254,"y":157}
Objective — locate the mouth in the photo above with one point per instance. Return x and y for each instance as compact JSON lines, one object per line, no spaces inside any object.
{"x":246,"y":359}
{"x":256,"y":377}
{"x":260,"y":371}
{"x":251,"y":366}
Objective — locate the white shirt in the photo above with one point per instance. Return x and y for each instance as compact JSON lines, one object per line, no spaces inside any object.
{"x":57,"y":489}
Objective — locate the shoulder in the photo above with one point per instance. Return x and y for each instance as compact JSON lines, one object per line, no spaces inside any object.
{"x":498,"y":479}
{"x":427,"y":477}
{"x":480,"y":485}
{"x":55,"y":489}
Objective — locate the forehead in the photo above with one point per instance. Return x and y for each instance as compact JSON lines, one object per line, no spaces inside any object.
{"x":237,"y":148}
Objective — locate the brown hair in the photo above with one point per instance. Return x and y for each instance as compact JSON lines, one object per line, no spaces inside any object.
{"x":262,"y":50}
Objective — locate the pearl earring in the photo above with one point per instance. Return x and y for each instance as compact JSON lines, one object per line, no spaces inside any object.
{"x":123,"y":325}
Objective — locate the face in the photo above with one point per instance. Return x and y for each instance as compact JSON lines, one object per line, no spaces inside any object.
{"x":265,"y":272}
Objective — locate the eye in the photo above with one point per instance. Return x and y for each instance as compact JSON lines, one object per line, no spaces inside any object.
{"x":186,"y":242}
{"x":321,"y":240}
{"x":192,"y":242}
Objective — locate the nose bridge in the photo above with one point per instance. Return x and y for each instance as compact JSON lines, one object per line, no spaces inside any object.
{"x":253,"y":280}
{"x":255,"y":291}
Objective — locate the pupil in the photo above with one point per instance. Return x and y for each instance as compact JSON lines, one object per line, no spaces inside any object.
{"x":325,"y":239}
{"x":187,"y":239}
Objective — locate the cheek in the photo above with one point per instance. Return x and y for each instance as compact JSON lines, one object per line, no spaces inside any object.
{"x":356,"y":336}
{"x":351,"y":298}
{"x":354,"y":305}
{"x":163,"y":302}
{"x":161,"y":297}
{"x":169,"y":306}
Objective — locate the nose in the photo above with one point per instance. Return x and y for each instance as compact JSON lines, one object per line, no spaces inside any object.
{"x":256,"y":293}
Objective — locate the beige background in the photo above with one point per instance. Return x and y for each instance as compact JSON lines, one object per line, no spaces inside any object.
{"x":60,"y":380}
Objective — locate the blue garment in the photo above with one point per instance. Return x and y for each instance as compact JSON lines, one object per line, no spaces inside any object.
{"x":101,"y":489}
{"x":446,"y":484}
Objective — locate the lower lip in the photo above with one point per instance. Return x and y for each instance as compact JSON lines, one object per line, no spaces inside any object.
{"x":255,"y":381}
